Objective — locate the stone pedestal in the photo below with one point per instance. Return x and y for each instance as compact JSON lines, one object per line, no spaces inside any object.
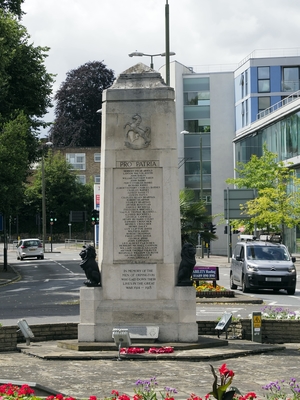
{"x":139,"y":248}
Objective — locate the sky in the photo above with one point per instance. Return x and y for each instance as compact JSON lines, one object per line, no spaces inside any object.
{"x":202,"y":32}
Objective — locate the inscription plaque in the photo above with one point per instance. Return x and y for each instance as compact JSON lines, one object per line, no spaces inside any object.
{"x":138,"y":215}
{"x":138,"y":282}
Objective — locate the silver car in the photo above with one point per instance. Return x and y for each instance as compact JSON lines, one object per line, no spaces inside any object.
{"x":262,"y":265}
{"x":27,"y":248}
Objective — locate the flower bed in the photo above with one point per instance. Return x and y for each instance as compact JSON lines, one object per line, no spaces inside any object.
{"x":148,"y":390}
{"x":207,"y":289}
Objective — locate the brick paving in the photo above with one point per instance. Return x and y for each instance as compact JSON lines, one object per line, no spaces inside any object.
{"x":81,"y":378}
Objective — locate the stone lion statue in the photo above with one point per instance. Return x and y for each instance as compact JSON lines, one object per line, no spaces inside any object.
{"x":90,"y":266}
{"x":188,"y":261}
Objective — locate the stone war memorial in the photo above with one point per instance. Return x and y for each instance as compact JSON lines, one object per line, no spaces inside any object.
{"x":140,"y":241}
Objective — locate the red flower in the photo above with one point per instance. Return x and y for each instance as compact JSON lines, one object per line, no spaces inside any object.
{"x":93,"y":398}
{"x":250,"y":395}
{"x":194,"y":397}
{"x":24,"y":390}
{"x":225,"y":371}
{"x":124,"y":397}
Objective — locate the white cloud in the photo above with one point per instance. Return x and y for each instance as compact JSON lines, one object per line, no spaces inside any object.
{"x":202,"y":32}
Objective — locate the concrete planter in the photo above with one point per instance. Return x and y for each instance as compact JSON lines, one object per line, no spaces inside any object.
{"x":8,"y":338}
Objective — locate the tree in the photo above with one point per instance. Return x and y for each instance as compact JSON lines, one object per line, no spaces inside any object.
{"x":193,"y":216}
{"x":14,"y":162}
{"x":78,"y":99}
{"x":278,"y":202}
{"x":25,"y":84}
{"x":13,"y":6}
{"x":63,"y":192}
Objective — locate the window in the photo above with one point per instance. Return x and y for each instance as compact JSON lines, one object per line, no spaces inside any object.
{"x":97,"y":157}
{"x":81,"y":179}
{"x":245,"y":113}
{"x":196,"y":98}
{"x":194,"y":126}
{"x":96,"y":178}
{"x":196,"y":84}
{"x":263,"y":76}
{"x":290,"y":79}
{"x":244,"y":84}
{"x":77,"y":160}
{"x":263,"y":103}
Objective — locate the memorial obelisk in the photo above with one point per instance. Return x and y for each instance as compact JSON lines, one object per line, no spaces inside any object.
{"x":140,"y":243}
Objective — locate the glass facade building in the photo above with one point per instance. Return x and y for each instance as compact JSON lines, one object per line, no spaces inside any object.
{"x":228,"y":115}
{"x":197,"y":154}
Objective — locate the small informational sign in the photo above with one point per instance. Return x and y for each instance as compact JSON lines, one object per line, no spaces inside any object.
{"x":256,"y":327}
{"x":205,"y":273}
{"x":224,"y":324}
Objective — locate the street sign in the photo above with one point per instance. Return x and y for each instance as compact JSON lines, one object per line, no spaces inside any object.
{"x":77,"y":216}
{"x":205,"y":273}
{"x":233,"y":199}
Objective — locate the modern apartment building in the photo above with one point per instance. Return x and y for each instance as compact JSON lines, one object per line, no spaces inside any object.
{"x":226,"y":114}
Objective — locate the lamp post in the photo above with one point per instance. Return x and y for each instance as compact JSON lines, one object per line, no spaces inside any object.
{"x":44,"y":146}
{"x":138,"y":54}
{"x":167,"y":40}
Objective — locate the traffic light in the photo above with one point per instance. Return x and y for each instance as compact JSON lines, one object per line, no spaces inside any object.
{"x":213,"y":228}
{"x":206,"y":227}
{"x":52,"y":217}
{"x":95,"y":217}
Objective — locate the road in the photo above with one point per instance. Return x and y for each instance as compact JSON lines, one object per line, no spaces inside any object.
{"x":49,"y":291}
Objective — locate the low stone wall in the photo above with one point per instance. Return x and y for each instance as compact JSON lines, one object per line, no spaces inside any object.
{"x":8,"y":338}
{"x":273,"y":331}
{"x":43,"y":333}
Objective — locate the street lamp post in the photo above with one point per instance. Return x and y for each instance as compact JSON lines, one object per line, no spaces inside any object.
{"x":138,"y":54}
{"x":167,"y":40}
{"x":47,"y":144}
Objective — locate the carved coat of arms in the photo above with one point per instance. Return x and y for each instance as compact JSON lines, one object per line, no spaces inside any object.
{"x":137,"y":137}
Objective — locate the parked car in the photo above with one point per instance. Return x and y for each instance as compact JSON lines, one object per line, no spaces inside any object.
{"x":258,"y":264}
{"x":27,"y":248}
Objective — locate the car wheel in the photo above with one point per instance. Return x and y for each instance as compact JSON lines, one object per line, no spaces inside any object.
{"x":18,"y":258}
{"x":42,"y":257}
{"x":276,"y":290}
{"x":291,"y":291}
{"x":21,"y":258}
{"x":232,"y":285}
{"x":245,"y":288}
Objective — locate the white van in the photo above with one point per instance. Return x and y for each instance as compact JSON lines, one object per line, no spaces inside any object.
{"x":258,"y":264}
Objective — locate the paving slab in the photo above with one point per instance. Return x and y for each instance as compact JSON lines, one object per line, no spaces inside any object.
{"x":189,"y":371}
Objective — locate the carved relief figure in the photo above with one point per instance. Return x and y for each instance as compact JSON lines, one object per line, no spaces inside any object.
{"x":188,"y":261}
{"x":90,"y":266}
{"x":137,"y":137}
